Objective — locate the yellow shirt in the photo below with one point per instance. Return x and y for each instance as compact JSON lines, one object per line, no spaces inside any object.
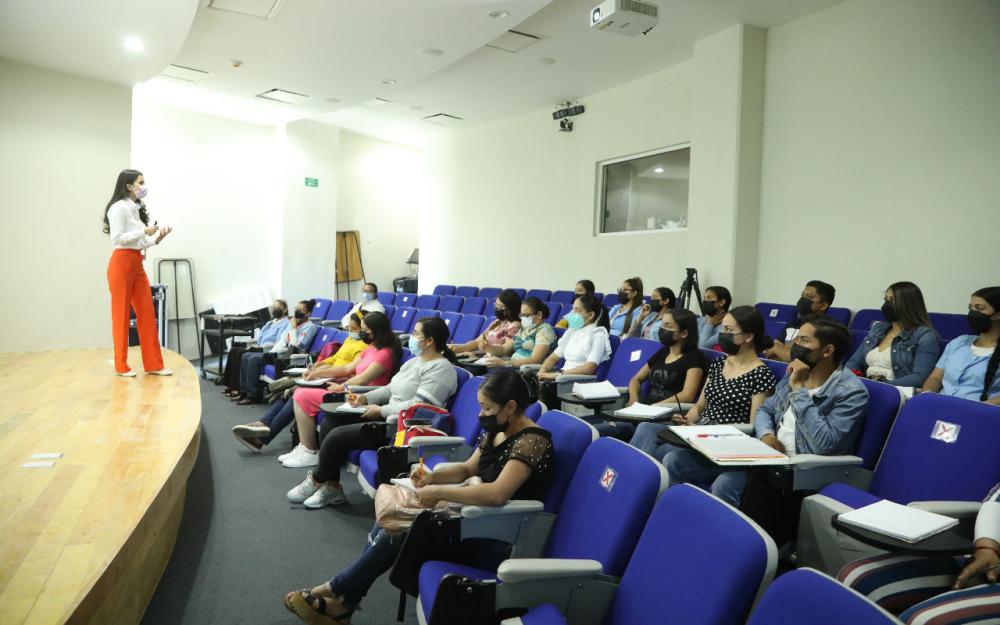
{"x":346,"y":354}
{"x":562,"y":323}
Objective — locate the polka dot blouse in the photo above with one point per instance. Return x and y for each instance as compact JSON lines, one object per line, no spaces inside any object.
{"x":727,"y":400}
{"x":532,"y":446}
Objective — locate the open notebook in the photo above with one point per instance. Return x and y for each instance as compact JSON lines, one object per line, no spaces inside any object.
{"x":897,"y":521}
{"x":314,"y":383}
{"x":725,"y":445}
{"x":644,"y":411}
{"x":595,"y":390}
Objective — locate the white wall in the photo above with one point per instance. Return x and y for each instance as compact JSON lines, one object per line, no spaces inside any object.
{"x":64,"y":139}
{"x":380,"y":194}
{"x":882,"y":151}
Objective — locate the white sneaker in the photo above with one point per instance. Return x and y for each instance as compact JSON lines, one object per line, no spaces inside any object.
{"x":304,"y":490}
{"x":160,"y":372}
{"x":325,"y":496}
{"x":284,"y":457}
{"x":127,"y":374}
{"x":302,"y":458}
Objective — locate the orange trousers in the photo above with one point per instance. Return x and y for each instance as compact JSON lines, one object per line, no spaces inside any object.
{"x":129,"y":287}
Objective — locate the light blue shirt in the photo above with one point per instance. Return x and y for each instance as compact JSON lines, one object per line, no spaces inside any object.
{"x":708,"y":335}
{"x":964,"y":372}
{"x":617,"y":317}
{"x":271,"y":332}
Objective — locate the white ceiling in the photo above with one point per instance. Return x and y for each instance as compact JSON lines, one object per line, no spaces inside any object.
{"x":343,"y":50}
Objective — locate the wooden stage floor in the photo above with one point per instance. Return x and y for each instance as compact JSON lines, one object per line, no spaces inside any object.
{"x":86,"y":540}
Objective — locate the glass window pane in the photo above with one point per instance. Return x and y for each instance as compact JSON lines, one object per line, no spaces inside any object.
{"x":645,"y":193}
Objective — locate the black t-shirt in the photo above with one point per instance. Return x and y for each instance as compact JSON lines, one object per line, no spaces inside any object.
{"x":532,"y":446}
{"x":666,"y":379}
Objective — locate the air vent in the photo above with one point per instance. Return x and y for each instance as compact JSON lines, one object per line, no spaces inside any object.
{"x":640,"y":7}
{"x":376,"y":102}
{"x":185,"y":73}
{"x":264,"y":9}
{"x":513,"y":41}
{"x":443,"y":119}
{"x":280,"y":95}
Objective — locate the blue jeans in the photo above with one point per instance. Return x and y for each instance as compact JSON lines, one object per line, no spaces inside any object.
{"x":281,"y":413}
{"x":376,"y":558}
{"x":685,"y":465}
{"x":251,"y":364}
{"x":645,"y":439}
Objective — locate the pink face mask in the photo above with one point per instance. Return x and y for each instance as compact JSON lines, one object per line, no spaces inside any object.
{"x":141,"y":192}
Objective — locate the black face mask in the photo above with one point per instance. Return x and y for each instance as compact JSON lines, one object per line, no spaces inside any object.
{"x":622,"y":298}
{"x":666,"y":337}
{"x":366,"y":337}
{"x":727,"y":343}
{"x":889,"y":311}
{"x":804,"y":306}
{"x":655,"y":305}
{"x":299,"y":315}
{"x":801,"y":352}
{"x":708,"y":307}
{"x":490,"y":424}
{"x":500,"y":314}
{"x":978,"y":322}
{"x":279,"y":313}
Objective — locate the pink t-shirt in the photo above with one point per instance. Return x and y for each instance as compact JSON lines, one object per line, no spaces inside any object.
{"x":499,"y":332}
{"x":372,"y":355}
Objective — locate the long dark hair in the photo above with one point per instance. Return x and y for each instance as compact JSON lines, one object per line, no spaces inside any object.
{"x":383,"y":337}
{"x":127,"y":177}
{"x":751,"y":322}
{"x":634,"y":303}
{"x":992,"y":296}
{"x":506,"y":385}
{"x":538,"y":306}
{"x":588,"y":286}
{"x":686,"y":320}
{"x":436,"y":329}
{"x":911,"y":312}
{"x":512,"y":303}
{"x":591,"y":304}
{"x":666,"y":296}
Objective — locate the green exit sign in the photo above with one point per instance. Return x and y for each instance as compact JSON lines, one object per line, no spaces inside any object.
{"x":312,"y":182}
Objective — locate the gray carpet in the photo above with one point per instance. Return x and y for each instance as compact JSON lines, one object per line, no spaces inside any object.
{"x":242,"y":546}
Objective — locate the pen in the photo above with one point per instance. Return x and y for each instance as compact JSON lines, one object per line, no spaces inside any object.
{"x":420,"y":470}
{"x":719,"y":435}
{"x":350,"y":396}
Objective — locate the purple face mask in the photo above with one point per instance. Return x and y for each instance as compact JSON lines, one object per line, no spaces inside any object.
{"x":141,"y":192}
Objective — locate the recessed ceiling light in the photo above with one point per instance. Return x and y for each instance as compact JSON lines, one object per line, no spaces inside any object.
{"x":134,"y":44}
{"x":388,"y":81}
{"x":658,"y":170}
{"x":545,"y":60}
{"x":432,"y":52}
{"x":499,"y":14}
{"x":281,"y":95}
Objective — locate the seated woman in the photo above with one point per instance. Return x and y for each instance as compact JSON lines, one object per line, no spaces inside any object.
{"x":506,"y":326}
{"x":337,"y":365}
{"x":513,"y":459}
{"x":366,"y":304}
{"x":736,"y":387}
{"x":675,"y":375}
{"x":584,"y":346}
{"x":268,"y":336}
{"x":429,"y":378}
{"x":299,"y":336}
{"x":374,"y":366}
{"x":902,"y":349}
{"x":647,"y":324}
{"x":968,"y":366}
{"x":533,"y":342}
{"x":713,"y":308}
{"x":583,"y":287}
{"x":624,"y":313}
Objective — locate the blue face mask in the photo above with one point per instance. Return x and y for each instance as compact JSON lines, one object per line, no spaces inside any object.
{"x":353,"y":335}
{"x":414,"y":346}
{"x":366,"y":296}
{"x":574,"y":320}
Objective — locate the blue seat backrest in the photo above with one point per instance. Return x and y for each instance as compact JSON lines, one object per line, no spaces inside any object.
{"x":489,"y":292}
{"x":776,"y":312}
{"x":427,"y":301}
{"x":465,"y":411}
{"x":462,"y":376}
{"x":321,"y":307}
{"x":775,"y":329}
{"x":611,"y":476}
{"x":386,"y":297}
{"x":490,"y":309}
{"x":451,"y":303}
{"x":474,"y":305}
{"x":520,"y":292}
{"x":403,"y":320}
{"x":555,"y":313}
{"x":542,"y":294}
{"x":808,"y":596}
{"x":444,"y":289}
{"x":711,"y":354}
{"x":865,"y":318}
{"x":407,"y":354}
{"x":599,"y":296}
{"x":857,"y":338}
{"x":674,"y":575}
{"x":427,"y":312}
{"x":631,"y":355}
{"x":406,"y":299}
{"x":840,"y":315}
{"x":338,"y":309}
{"x":452,"y":320}
{"x":610,"y":300}
{"x":390,"y":310}
{"x":559,"y":332}
{"x":340,"y":336}
{"x":917,"y":466}
{"x":323,"y":337}
{"x":571,"y":436}
{"x":469,"y":328}
{"x":604,"y":367}
{"x":777,"y":368}
{"x":563,"y":297}
{"x":467,"y":291}
{"x":949,"y":325}
{"x":883,"y":406}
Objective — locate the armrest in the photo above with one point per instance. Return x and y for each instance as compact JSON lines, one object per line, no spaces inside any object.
{"x":514,"y":506}
{"x":330,"y":323}
{"x":955,"y":509}
{"x":811,"y":472}
{"x":435,"y":441}
{"x":530,"y":569}
{"x":575,"y":377}
{"x":812,"y":461}
{"x":530,"y":368}
{"x":392,"y":419}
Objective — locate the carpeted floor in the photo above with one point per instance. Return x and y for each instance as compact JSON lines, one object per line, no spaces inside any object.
{"x":242,"y":546}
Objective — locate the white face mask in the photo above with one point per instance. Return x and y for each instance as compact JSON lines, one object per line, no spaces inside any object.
{"x":527,"y":322}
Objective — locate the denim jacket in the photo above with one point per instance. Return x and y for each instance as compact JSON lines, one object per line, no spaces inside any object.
{"x":827,"y":422}
{"x":914,"y":353}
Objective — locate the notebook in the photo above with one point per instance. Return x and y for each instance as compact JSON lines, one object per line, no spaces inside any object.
{"x":644,"y":411}
{"x":404,"y":482}
{"x":314,"y":383}
{"x":687,"y":432}
{"x":349,"y":409}
{"x":595,"y":390}
{"x":897,"y":521}
{"x":295,"y":371}
{"x":726,"y":445}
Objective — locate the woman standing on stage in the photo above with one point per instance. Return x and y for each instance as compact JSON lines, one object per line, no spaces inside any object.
{"x":126,"y":220}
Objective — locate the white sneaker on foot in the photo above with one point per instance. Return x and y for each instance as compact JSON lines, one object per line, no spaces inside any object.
{"x":301,"y":458}
{"x":325,"y":496}
{"x":160,"y":372}
{"x":304,"y":490}
{"x":284,"y":457}
{"x":127,"y":374}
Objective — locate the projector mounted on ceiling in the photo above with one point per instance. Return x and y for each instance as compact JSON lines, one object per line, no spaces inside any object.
{"x":626,"y":17}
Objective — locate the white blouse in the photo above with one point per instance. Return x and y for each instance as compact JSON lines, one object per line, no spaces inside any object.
{"x":879,"y":363}
{"x":127,"y":230}
{"x":587,"y":344}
